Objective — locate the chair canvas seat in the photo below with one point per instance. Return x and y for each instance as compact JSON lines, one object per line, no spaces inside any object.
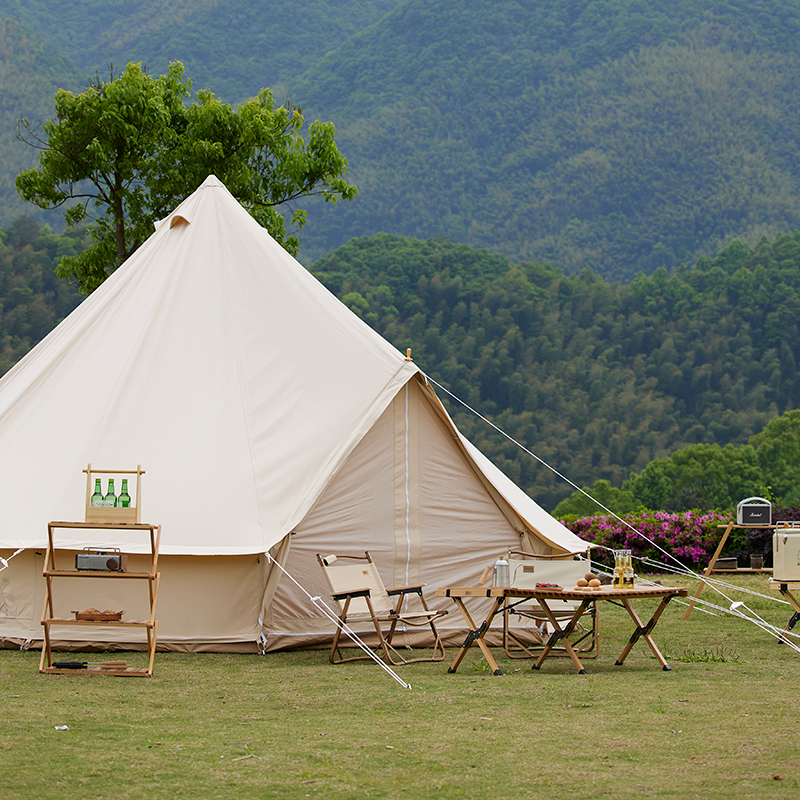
{"x":361,"y":595}
{"x":343,"y":578}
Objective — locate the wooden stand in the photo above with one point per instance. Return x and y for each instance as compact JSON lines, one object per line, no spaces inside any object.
{"x":51,"y":571}
{"x":708,"y":570}
{"x":103,"y":518}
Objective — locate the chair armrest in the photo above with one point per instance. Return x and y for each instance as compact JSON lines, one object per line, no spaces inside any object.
{"x":405,"y":590}
{"x":354,"y":593}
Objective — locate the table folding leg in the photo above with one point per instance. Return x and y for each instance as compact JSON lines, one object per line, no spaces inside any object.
{"x":786,"y":593}
{"x":476,"y":634}
{"x":643,"y":631}
{"x":560,"y":633}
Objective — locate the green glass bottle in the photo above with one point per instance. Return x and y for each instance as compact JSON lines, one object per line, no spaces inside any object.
{"x":110,"y":499}
{"x":124,"y":499}
{"x":97,"y":497}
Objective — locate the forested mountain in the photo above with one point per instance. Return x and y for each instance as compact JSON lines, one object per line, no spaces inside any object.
{"x":234,"y":48}
{"x":596,"y":378}
{"x":615,"y":134}
{"x":32,"y":300}
{"x":30,"y":75}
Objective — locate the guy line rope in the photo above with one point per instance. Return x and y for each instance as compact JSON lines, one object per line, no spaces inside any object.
{"x":331,"y":615}
{"x":734,"y":608}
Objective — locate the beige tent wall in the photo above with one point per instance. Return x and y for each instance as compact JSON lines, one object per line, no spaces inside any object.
{"x":205,"y":603}
{"x":21,"y":595}
{"x":409,"y":493}
{"x":410,"y":496}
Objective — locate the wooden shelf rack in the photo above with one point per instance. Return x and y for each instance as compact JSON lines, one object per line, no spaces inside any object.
{"x":53,"y":572}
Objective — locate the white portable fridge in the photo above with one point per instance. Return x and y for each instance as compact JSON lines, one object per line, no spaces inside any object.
{"x":786,"y":554}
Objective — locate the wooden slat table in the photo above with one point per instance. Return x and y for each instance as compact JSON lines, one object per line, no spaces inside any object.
{"x":502,"y":595}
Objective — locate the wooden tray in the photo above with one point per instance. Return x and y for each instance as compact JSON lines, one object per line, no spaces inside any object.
{"x":115,"y":616}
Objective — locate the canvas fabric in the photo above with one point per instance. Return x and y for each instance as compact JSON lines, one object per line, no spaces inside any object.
{"x":267,"y":417}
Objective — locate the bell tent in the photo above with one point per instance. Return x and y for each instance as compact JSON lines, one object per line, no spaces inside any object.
{"x":268,"y":418}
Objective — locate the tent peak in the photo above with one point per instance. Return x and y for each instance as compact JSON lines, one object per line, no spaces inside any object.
{"x":184,"y":212}
{"x":212,"y":181}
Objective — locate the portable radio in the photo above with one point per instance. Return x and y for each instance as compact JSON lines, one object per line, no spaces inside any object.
{"x":754,"y":511}
{"x":109,"y":560}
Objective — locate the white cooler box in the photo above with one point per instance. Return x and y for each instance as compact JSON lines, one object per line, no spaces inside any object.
{"x":786,"y":554}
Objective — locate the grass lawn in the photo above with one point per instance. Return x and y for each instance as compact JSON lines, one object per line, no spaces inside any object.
{"x":722,"y":723}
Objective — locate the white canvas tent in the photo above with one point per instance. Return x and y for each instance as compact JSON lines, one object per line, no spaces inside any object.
{"x":267,"y":416}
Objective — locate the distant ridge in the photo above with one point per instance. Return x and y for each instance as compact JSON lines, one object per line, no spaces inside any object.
{"x":619,"y":135}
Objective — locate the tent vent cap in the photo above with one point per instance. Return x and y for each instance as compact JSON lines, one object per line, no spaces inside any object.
{"x":179,"y":219}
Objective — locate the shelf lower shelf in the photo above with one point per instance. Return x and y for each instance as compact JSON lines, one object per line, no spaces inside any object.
{"x":108,"y":622}
{"x":742,"y":570}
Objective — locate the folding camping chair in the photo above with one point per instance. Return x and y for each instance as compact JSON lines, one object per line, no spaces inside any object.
{"x":525,"y":571}
{"x":360,"y":595}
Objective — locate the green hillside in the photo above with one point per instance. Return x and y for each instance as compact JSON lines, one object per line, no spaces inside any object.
{"x":616,"y":134}
{"x":32,"y":300}
{"x":597,"y":379}
{"x":30,"y":74}
{"x":233,"y":48}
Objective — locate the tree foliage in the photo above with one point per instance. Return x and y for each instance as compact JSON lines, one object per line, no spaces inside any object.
{"x":130,"y":148}
{"x":701,"y":476}
{"x":778,"y":448}
{"x":598,"y":379}
{"x":601,"y":498}
{"x":32,"y":300}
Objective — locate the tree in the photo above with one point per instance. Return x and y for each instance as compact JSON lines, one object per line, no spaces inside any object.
{"x":130,"y":148}
{"x":700,"y":477}
{"x":578,"y":503}
{"x":778,"y":449}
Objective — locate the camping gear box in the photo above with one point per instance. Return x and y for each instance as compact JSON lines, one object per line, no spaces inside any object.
{"x":786,"y":554}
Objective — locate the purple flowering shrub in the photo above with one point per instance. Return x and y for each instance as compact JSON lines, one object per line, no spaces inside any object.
{"x":691,"y":536}
{"x":785,"y":513}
